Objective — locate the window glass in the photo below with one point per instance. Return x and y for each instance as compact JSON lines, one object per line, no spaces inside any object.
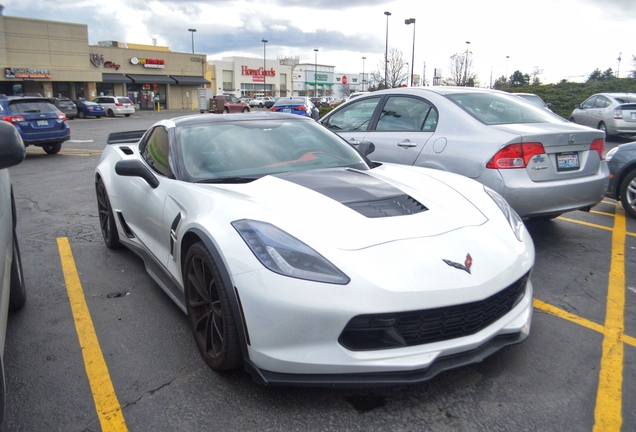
{"x":354,"y":117}
{"x":402,"y":113}
{"x":589,"y":103}
{"x":494,"y":108}
{"x":26,"y":106}
{"x":156,"y":151}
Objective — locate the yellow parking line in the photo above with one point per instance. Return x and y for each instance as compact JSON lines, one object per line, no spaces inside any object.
{"x":608,"y":412}
{"x":602,"y":213}
{"x":108,"y":409}
{"x":585,"y":223}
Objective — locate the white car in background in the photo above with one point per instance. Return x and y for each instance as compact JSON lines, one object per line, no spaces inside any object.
{"x":116,"y":105}
{"x":260,"y":101}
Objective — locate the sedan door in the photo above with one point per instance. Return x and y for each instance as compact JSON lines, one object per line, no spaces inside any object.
{"x":584,"y":115}
{"x":353,"y":120}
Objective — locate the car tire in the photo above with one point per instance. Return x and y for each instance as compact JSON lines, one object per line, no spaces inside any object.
{"x":81,"y":115}
{"x":52,"y":148}
{"x":246,"y":110}
{"x":110,"y":113}
{"x":209,"y":311}
{"x":17,"y":290}
{"x":260,"y":105}
{"x":127,"y":115}
{"x":98,"y":117}
{"x":226,"y":111}
{"x":628,"y":193}
{"x":603,"y":127}
{"x":107,"y":223}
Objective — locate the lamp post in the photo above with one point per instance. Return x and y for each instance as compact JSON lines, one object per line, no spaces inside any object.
{"x":264,"y":66}
{"x":315,"y":72}
{"x":507,"y":57}
{"x":466,"y":68}
{"x":407,"y":22}
{"x":363,"y":59}
{"x":386,"y":51}
{"x":192,"y":31}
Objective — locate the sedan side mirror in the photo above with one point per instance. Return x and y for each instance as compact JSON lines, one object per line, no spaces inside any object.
{"x":366,"y":148}
{"x":135,"y":168}
{"x":12,"y":149}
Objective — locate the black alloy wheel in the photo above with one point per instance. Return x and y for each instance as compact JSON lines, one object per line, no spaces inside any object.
{"x":106,"y":219}
{"x":209,"y":311}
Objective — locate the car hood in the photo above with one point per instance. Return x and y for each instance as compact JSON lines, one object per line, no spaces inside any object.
{"x":353,"y":209}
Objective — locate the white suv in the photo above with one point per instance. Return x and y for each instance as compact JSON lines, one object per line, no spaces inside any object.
{"x":116,"y":105}
{"x":260,"y":101}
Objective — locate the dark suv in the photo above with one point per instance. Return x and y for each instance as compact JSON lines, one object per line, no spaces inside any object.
{"x":39,"y":122}
{"x":65,"y":105}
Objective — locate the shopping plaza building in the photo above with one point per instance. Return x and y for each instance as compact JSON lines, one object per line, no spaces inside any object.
{"x":54,"y":59}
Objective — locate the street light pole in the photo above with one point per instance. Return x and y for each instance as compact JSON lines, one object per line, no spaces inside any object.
{"x":315,"y":72}
{"x":363,"y":59}
{"x":407,"y":22}
{"x":192,"y":31}
{"x":466,"y":68}
{"x":264,"y":66}
{"x":386,"y":51}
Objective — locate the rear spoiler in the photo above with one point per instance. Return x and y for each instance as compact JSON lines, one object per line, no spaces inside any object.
{"x":125,"y":137}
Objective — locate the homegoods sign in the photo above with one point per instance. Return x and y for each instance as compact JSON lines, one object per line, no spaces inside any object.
{"x":245,"y":70}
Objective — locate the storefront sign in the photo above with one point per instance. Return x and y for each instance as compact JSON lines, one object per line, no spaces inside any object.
{"x":98,"y":60}
{"x":111,"y":65}
{"x":27,"y":73}
{"x":257,"y":72}
{"x":148,"y":63}
{"x":321,"y":77}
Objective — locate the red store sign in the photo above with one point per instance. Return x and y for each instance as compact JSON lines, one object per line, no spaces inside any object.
{"x":258,"y":75}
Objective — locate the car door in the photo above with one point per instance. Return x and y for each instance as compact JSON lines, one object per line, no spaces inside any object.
{"x":585,"y":115}
{"x":141,"y":205}
{"x":401,"y":130}
{"x":352,"y":121}
{"x":601,"y":111}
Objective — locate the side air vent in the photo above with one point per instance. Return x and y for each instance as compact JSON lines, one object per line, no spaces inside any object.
{"x":129,"y":233}
{"x":173,"y":236}
{"x":395,"y":206}
{"x":126,"y":150}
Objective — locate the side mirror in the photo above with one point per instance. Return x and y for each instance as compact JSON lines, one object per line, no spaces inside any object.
{"x":12,"y":149}
{"x":366,"y":147}
{"x":135,"y":168}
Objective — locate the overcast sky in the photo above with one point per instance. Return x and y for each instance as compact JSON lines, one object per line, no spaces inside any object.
{"x":567,"y":39}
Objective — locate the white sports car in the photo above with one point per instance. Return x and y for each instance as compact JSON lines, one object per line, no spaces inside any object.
{"x":297,"y":258}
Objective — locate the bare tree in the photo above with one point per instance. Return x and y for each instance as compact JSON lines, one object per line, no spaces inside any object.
{"x":535,"y":75}
{"x":461,"y":71}
{"x":396,"y":72}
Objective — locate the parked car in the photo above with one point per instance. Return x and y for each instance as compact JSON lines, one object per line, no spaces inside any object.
{"x":613,"y":113}
{"x":89,"y":109}
{"x":12,"y":286}
{"x":300,"y":105}
{"x":271,"y":215}
{"x":65,"y":105}
{"x":533,"y":98}
{"x":270,"y":103}
{"x":245,"y":99}
{"x":116,"y":105}
{"x":259,"y":101}
{"x":228,"y":104}
{"x":39,"y":122}
{"x":543,"y":166}
{"x":622,"y":185}
{"x":317,"y":101}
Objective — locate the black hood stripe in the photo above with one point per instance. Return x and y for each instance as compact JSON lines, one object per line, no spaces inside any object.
{"x":363,"y":193}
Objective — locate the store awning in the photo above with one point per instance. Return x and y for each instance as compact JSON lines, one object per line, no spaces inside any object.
{"x":115,"y":78}
{"x":190,"y":80}
{"x":151,"y":79}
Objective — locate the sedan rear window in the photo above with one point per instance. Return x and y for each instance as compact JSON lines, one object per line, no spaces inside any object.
{"x":124,"y":100}
{"x":493,"y":109}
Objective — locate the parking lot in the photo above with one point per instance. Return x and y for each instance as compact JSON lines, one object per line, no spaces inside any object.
{"x":99,"y":346}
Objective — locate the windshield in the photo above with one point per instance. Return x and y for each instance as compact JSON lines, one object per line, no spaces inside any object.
{"x":493,"y":108}
{"x":255,"y":148}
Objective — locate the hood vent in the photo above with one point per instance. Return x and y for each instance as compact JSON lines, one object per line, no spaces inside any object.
{"x":396,"y":206}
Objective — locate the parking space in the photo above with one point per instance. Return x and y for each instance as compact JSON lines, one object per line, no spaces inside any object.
{"x":573,"y":373}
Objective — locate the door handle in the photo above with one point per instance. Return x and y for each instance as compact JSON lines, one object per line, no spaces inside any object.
{"x":407,"y":143}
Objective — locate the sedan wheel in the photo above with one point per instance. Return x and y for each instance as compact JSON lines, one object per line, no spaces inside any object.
{"x":601,"y":126}
{"x":17,"y":291}
{"x":106,"y":218}
{"x":209,"y":311}
{"x":628,"y":193}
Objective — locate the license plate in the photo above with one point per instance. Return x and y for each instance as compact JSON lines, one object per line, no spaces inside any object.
{"x":286,"y":110}
{"x":567,"y":161}
{"x":43,"y":122}
{"x":634,"y":115}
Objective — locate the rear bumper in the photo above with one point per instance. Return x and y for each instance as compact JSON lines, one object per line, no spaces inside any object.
{"x":42,"y":141}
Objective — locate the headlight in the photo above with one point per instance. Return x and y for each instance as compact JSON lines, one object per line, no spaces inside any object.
{"x":513,"y":218}
{"x":610,"y":153}
{"x":286,"y":255}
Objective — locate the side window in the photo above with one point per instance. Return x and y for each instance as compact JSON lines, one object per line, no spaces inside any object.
{"x":601,"y":102}
{"x":355,"y":117}
{"x":589,"y":103}
{"x":401,"y":113}
{"x":156,"y":151}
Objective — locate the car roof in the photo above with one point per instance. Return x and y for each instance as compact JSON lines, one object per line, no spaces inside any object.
{"x":190,"y":120}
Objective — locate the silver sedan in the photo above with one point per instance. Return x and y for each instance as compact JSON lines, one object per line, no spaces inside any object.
{"x":542,"y":164}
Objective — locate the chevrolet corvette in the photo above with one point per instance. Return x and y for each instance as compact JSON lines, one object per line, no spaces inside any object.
{"x":297,"y":258}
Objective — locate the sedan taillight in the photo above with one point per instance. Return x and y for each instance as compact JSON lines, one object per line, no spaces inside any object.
{"x":119,"y":104}
{"x":300,"y":108}
{"x":515,"y":156}
{"x":598,"y":145}
{"x":274,"y":109}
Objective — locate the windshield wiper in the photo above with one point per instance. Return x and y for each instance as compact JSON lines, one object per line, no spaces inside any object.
{"x":229,"y":180}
